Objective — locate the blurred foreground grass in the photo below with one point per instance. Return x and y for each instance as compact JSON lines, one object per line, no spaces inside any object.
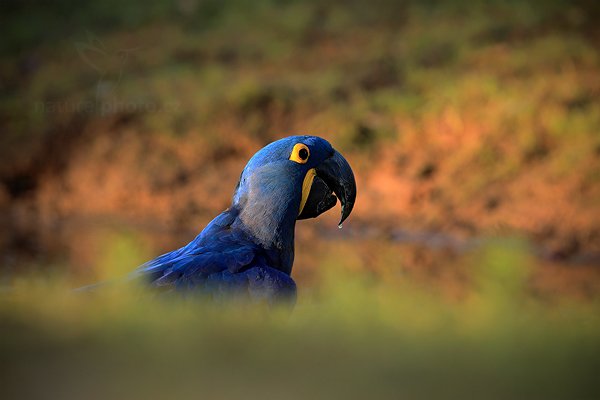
{"x":349,"y":336}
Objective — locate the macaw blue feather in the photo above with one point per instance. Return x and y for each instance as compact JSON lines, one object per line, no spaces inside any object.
{"x":249,"y":248}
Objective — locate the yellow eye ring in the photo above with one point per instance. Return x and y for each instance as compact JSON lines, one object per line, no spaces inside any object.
{"x":300,"y":153}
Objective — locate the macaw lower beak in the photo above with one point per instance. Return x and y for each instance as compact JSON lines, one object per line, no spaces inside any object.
{"x":333,"y":175}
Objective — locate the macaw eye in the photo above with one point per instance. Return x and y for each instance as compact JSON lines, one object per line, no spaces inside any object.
{"x":300,"y":153}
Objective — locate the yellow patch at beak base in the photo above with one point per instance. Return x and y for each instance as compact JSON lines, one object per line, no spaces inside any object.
{"x":306,"y":185}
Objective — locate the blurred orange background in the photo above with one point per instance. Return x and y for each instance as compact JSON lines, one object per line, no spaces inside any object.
{"x":463,"y":122}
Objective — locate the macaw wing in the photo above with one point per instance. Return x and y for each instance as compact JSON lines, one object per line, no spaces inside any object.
{"x":219,"y":261}
{"x":193,"y":267}
{"x":216,"y":248}
{"x":218,"y":274}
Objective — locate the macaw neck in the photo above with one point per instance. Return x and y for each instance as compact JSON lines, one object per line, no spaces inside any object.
{"x":268,"y":202}
{"x":273,"y":227}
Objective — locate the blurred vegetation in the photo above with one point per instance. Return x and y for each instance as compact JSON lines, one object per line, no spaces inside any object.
{"x":458,"y":116}
{"x":351,"y":336}
{"x":469,"y":268}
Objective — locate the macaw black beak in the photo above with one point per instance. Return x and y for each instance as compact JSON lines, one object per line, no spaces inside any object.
{"x":333,"y":175}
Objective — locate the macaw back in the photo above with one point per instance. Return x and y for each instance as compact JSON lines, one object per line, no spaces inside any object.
{"x":223,"y":261}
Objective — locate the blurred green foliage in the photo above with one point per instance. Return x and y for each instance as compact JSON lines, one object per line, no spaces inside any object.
{"x":352,"y":336}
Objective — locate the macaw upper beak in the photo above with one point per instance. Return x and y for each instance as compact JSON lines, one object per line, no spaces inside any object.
{"x":333,"y":175}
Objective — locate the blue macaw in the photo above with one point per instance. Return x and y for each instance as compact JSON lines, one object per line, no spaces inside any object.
{"x":248,"y":249}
